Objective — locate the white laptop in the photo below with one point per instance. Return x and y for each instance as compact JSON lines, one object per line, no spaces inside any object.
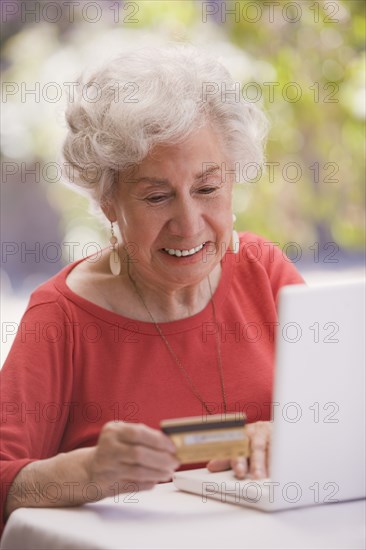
{"x":318,"y":442}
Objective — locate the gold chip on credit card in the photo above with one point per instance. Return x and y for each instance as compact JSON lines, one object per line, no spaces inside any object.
{"x":202,"y":438}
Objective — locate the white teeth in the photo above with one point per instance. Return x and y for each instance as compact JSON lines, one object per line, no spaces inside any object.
{"x":177,"y":252}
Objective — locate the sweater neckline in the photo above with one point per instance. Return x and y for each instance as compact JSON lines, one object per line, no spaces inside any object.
{"x":144,"y":327}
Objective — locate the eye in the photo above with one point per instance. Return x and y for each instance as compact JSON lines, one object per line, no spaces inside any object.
{"x":207,"y":190}
{"x":155,"y":199}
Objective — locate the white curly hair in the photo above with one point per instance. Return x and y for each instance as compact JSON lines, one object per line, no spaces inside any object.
{"x":152,"y":96}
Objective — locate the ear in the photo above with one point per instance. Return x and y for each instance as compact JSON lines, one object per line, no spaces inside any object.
{"x":109,"y":210}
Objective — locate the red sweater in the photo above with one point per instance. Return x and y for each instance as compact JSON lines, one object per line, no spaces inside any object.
{"x":75,"y":366}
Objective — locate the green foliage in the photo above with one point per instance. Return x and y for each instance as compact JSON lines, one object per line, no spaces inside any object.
{"x":313,"y":66}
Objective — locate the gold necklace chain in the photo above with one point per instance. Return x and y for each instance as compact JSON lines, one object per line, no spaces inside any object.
{"x":173,"y":354}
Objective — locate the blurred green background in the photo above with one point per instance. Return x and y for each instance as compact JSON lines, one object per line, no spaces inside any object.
{"x":303,"y":62}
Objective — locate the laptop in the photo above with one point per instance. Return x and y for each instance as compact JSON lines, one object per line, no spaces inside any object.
{"x":318,"y":440}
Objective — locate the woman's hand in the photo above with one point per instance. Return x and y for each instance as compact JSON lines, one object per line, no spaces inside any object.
{"x":127,"y":458}
{"x":130,"y":455}
{"x":256,"y":466}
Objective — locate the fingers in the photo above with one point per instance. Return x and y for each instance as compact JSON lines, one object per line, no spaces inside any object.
{"x":240,"y":467}
{"x":133,"y":452}
{"x":218,"y":465}
{"x":256,"y":467}
{"x":142,"y":474}
{"x":259,"y":434}
{"x":146,"y":456}
{"x":141,"y":434}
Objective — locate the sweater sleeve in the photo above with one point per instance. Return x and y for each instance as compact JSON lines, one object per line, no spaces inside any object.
{"x":36,"y":390}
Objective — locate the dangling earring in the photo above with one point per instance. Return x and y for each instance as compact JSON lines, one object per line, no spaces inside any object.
{"x":235,"y":243}
{"x":114,"y":260}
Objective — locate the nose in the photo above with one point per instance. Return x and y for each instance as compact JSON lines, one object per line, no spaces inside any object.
{"x":186,"y":220}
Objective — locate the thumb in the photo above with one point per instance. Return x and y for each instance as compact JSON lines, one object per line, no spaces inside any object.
{"x":218,"y":464}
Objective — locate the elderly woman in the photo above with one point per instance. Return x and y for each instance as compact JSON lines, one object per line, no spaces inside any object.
{"x":175,"y":318}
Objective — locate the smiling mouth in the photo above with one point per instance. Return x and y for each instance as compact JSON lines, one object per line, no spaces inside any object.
{"x":184,"y":252}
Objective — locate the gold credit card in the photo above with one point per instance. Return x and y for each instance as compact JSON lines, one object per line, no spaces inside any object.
{"x":202,"y":438}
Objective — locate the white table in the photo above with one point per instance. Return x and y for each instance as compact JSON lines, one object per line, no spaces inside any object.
{"x":167,"y":518}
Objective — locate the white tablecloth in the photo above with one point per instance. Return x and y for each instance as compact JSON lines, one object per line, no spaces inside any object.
{"x":167,"y":518}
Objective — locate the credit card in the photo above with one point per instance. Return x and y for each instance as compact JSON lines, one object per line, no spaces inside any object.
{"x":202,"y":438}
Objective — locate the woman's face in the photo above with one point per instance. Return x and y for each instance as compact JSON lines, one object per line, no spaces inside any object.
{"x":178,"y":200}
